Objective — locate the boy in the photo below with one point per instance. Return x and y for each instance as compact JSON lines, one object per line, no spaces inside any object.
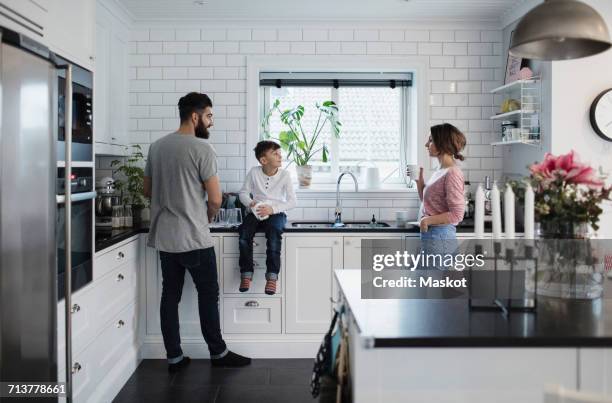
{"x":270,"y":188}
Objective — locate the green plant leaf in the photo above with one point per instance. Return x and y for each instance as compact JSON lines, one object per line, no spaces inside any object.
{"x":325,"y":153}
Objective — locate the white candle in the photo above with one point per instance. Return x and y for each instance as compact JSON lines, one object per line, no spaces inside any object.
{"x":509,"y":211}
{"x":496,"y":211}
{"x":529,"y":212}
{"x":479,"y":213}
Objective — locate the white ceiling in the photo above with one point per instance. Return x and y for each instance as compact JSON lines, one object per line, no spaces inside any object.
{"x":413,"y":10}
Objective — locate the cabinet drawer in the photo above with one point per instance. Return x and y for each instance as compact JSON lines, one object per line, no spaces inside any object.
{"x":231,"y":276}
{"x":98,"y":359}
{"x":251,"y":315}
{"x":114,"y":258}
{"x":96,"y":307}
{"x":230,"y":245}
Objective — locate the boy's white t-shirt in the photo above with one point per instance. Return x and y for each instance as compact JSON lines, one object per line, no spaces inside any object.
{"x":275,"y":191}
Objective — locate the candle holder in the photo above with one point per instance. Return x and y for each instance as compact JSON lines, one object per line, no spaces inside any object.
{"x":501,"y":303}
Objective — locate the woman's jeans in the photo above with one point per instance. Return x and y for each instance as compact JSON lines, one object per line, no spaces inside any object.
{"x":202,"y":265}
{"x":273,"y":227}
{"x":438,"y":241}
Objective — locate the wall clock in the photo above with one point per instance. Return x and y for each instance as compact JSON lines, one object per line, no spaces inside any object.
{"x":601,"y":115}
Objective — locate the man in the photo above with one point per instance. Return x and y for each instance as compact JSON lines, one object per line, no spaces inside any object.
{"x":181,"y":170}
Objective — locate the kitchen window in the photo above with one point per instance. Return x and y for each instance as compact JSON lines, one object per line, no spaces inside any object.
{"x":375,"y":112}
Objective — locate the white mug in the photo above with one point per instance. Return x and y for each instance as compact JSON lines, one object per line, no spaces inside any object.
{"x":401,"y":217}
{"x":372,"y":178}
{"x":255,"y":207}
{"x":412,"y":174}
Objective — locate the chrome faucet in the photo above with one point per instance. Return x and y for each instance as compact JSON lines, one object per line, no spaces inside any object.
{"x":338,"y":214}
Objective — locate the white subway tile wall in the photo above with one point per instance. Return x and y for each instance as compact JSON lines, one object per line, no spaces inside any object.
{"x":166,"y":63}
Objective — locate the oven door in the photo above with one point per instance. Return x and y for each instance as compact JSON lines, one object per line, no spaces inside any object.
{"x":82,"y":241}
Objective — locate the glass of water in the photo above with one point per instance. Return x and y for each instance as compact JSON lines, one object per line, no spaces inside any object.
{"x":234,"y":217}
{"x":220,"y":219}
{"x":238,"y":216}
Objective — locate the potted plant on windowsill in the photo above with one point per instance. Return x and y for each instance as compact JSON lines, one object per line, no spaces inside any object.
{"x":130,"y":181}
{"x":299,"y":146}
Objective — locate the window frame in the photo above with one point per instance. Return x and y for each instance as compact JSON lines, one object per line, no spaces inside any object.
{"x":334,"y":146}
{"x":418,"y":93}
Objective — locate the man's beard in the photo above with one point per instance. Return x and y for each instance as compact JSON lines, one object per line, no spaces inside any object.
{"x":201,"y":131}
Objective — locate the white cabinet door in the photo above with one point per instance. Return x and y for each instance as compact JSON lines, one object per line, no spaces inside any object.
{"x":309,"y":265}
{"x":118,"y":90}
{"x":251,"y":315}
{"x":101,"y":84}
{"x":71,"y":30}
{"x":110,"y":84}
{"x":352,"y":248}
{"x":188,"y":308}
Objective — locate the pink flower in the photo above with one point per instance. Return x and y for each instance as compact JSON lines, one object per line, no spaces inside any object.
{"x":566,"y":168}
{"x":565,"y":163}
{"x":544,"y":168}
{"x":584,"y":175}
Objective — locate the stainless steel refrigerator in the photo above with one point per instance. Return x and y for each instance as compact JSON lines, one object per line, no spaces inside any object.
{"x":28,"y":272}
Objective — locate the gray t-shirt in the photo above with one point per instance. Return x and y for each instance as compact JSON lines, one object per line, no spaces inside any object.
{"x":177,"y":165}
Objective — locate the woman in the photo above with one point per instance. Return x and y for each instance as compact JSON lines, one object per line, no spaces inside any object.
{"x":443,"y":203}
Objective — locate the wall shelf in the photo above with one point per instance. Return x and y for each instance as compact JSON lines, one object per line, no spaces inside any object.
{"x":511,"y":114}
{"x":514,"y":85}
{"x":511,"y":142}
{"x":526,"y":120}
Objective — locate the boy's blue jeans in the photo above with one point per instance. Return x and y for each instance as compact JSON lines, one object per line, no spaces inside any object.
{"x":273,"y":227}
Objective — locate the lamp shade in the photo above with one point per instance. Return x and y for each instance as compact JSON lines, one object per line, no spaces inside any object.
{"x":560,"y":30}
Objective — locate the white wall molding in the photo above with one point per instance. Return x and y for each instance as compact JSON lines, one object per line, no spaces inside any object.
{"x":117,"y":9}
{"x":420,"y":24}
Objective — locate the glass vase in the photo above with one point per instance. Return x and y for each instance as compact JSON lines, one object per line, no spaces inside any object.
{"x":567,"y":263}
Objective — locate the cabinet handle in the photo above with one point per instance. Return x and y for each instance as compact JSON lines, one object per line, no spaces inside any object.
{"x":120,"y":277}
{"x":113,"y":138}
{"x":336,"y":242}
{"x":120,"y":255}
{"x":255,"y":244}
{"x":255,"y":264}
{"x":76,"y":367}
{"x":251,"y":304}
{"x":120,"y":323}
{"x":75,"y":308}
{"x":347,"y":242}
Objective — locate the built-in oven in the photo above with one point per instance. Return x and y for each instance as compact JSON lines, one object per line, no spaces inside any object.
{"x":82,"y":114}
{"x":82,"y":210}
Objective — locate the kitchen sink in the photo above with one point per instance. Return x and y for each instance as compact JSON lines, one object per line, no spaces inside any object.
{"x":347,"y":225}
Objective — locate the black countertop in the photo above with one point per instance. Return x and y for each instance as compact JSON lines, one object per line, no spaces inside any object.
{"x":450,"y":323}
{"x":106,"y":238}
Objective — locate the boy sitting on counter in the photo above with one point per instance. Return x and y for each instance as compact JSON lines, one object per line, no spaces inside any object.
{"x":268,"y":193}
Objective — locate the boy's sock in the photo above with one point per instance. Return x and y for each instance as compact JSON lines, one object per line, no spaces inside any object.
{"x":270,"y":287}
{"x":230,"y":360}
{"x":245,"y":284}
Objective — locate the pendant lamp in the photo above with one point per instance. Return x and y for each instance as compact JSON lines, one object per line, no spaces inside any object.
{"x":560,"y":30}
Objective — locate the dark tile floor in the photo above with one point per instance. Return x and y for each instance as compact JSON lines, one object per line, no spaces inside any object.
{"x":264,"y":381}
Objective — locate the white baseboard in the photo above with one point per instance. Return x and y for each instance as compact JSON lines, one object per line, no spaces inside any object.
{"x":253,"y":349}
{"x":114,"y":381}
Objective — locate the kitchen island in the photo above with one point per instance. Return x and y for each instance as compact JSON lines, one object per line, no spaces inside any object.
{"x":473,"y":356}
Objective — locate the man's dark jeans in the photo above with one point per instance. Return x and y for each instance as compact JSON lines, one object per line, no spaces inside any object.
{"x":273,"y":227}
{"x":202,"y":265}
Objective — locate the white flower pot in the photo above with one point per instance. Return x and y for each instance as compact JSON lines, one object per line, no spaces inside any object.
{"x":304,"y":173}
